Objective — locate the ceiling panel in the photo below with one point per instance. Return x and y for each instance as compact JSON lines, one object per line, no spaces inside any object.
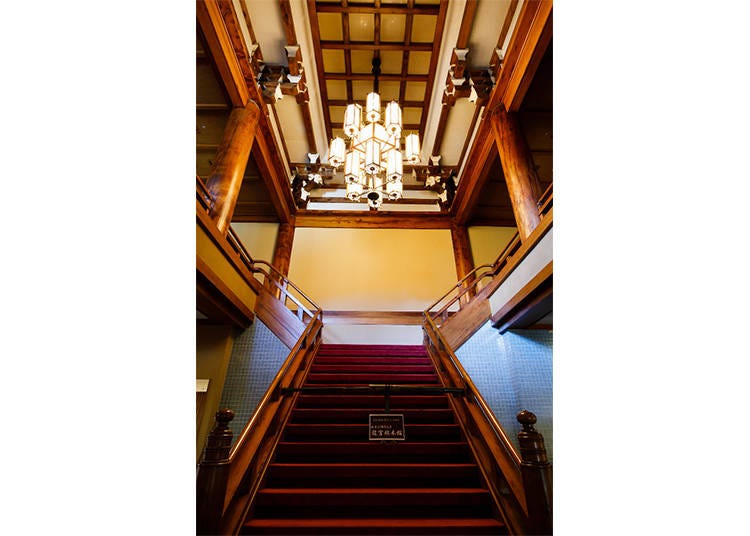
{"x":330,"y":26}
{"x":419,"y":62}
{"x":392,"y":28}
{"x":336,"y":89}
{"x":423,"y":28}
{"x":333,"y":61}
{"x":361,"y":27}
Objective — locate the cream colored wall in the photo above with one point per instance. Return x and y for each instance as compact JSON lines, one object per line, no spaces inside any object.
{"x":213,"y":348}
{"x":258,"y":238}
{"x":373,"y":269}
{"x":488,"y":242}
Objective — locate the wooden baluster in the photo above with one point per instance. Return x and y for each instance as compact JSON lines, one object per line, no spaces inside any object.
{"x":211,"y":486}
{"x":536,"y":472}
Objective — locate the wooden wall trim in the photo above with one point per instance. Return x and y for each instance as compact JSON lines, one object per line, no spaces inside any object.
{"x":414,"y":318}
{"x":372,"y":220}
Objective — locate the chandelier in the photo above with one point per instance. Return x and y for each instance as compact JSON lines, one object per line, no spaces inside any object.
{"x":373,"y":163}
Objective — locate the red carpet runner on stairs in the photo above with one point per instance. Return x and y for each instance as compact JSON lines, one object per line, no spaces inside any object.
{"x":327,"y":477}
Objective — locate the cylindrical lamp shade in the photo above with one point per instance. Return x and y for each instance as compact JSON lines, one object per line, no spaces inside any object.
{"x":351,"y":169}
{"x":372,"y":156}
{"x":412,"y":148}
{"x":393,"y":121}
{"x":373,"y":107}
{"x":353,"y":190}
{"x":352,"y":119}
{"x":395,"y":167}
{"x":394,"y":189}
{"x":336,"y":152}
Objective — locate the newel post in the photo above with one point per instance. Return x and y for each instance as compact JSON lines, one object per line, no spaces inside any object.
{"x":213,"y":473}
{"x":536,"y":472}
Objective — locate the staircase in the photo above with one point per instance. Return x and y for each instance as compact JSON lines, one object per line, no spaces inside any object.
{"x":327,"y":477}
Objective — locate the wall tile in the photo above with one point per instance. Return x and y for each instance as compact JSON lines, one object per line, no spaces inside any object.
{"x":257,"y":355}
{"x":513,"y":371}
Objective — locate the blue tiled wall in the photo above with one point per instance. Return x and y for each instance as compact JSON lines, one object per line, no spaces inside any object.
{"x":513,"y":371}
{"x":257,"y":355}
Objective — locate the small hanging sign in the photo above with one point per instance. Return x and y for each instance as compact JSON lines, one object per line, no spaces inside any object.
{"x":387,"y":427}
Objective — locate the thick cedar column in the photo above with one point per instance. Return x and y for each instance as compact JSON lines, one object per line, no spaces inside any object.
{"x":226,"y":176}
{"x":518,"y":168}
{"x":462,"y":254}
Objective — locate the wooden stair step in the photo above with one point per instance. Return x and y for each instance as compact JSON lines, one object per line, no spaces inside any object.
{"x":365,"y":360}
{"x":361,"y":368}
{"x":361,"y":415}
{"x":307,"y":401}
{"x":372,"y":350}
{"x":364,"y":379}
{"x":377,"y":526}
{"x":358,"y":502}
{"x":373,"y":451}
{"x":374,"y":474}
{"x":359,"y":432}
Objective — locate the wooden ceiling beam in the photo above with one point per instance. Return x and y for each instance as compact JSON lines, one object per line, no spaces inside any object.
{"x":438,"y":37}
{"x":385,"y":10}
{"x":269,"y":161}
{"x":371,"y":220}
{"x":382,"y":77}
{"x":532,"y":35}
{"x":315,"y":30}
{"x":475,"y":174}
{"x":402,"y":103}
{"x":211,"y":23}
{"x":368,"y":45}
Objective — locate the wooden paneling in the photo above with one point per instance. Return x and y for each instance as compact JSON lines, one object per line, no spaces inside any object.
{"x":373,"y":317}
{"x":461,"y":326}
{"x":280,"y":320}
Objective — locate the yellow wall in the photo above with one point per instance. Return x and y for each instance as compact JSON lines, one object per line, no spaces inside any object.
{"x":213,"y":348}
{"x":488,"y":242}
{"x":373,"y":269}
{"x":258,"y":238}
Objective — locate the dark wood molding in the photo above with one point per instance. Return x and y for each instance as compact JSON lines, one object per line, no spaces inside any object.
{"x":438,"y":38}
{"x":531,"y":36}
{"x":414,"y":318}
{"x":383,"y":9}
{"x":372,"y":220}
{"x":268,"y":160}
{"x":220,"y":47}
{"x":531,"y":303}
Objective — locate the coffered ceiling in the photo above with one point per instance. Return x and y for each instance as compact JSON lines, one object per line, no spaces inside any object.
{"x":438,"y":59}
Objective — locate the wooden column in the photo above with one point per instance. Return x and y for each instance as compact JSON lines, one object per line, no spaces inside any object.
{"x":282,"y":253}
{"x":226,"y":175}
{"x":518,"y":168}
{"x":462,"y":255}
